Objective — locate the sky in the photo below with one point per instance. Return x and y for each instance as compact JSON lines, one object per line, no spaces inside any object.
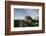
{"x":20,"y":13}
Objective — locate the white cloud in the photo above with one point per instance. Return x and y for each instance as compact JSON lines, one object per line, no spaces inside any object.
{"x":29,"y":12}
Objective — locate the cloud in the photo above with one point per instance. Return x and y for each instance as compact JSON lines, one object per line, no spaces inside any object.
{"x":21,"y":13}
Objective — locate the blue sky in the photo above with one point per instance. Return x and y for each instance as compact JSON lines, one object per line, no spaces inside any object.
{"x":20,"y":13}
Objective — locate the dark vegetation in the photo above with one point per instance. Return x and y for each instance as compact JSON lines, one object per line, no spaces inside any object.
{"x":22,"y":23}
{"x":29,"y":22}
